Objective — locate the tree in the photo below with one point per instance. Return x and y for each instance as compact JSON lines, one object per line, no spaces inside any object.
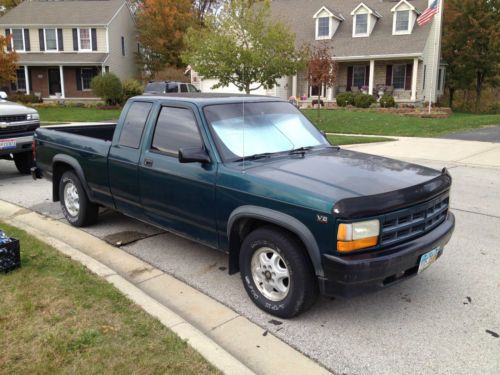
{"x":202,"y":8}
{"x":161,"y":25}
{"x":8,"y":4}
{"x":321,"y":69}
{"x":7,"y":61}
{"x":471,"y":43}
{"x":243,"y":46}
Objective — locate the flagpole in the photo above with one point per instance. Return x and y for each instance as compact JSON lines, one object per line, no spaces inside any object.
{"x":435,"y":67}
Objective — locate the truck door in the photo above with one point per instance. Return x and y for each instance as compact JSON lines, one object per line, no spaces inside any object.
{"x":178,"y":196}
{"x":124,"y":158}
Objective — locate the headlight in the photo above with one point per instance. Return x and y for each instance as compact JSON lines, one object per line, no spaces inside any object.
{"x":33,"y":116}
{"x":358,"y":235}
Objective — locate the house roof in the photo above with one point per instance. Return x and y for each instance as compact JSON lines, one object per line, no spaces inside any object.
{"x":381,"y":42}
{"x":64,"y":13}
{"x":63,"y":58}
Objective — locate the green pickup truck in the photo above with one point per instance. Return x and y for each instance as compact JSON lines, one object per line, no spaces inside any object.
{"x":251,"y":176}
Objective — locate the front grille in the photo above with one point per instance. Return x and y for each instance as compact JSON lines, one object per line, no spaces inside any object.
{"x":17,"y":128}
{"x":13,"y":118}
{"x":414,"y":221}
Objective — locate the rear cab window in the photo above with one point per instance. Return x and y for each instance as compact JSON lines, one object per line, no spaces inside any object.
{"x":172,"y":87}
{"x":134,"y":123}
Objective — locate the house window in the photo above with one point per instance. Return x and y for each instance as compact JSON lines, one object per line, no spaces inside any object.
{"x":86,"y":76}
{"x":20,"y":80}
{"x":358,"y":75}
{"x":123,"y":46}
{"x":402,"y":20}
{"x":17,"y":39}
{"x":84,"y":40}
{"x":50,"y":39}
{"x":361,"y":24}
{"x":323,"y":27}
{"x":399,"y":76}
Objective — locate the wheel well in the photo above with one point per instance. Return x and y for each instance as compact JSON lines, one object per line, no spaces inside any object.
{"x":58,"y":170}
{"x":240,"y":230}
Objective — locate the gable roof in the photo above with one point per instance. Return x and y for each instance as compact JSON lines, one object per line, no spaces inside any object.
{"x":381,"y":41}
{"x":370,"y":10}
{"x":333,"y":13}
{"x":62,"y":13}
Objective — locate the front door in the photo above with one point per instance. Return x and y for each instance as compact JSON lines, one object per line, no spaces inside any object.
{"x":54,"y":81}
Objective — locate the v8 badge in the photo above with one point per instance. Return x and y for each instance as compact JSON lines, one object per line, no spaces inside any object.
{"x":322,"y":219}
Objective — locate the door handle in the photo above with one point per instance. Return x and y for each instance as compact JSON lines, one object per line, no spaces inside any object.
{"x":148,"y":162}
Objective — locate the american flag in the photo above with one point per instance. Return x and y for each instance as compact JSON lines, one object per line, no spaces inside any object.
{"x":430,"y":12}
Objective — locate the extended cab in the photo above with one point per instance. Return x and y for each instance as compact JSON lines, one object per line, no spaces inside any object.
{"x":253,"y":177}
{"x":17,"y":125}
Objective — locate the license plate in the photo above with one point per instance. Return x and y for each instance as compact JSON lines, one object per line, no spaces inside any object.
{"x":7,"y":143}
{"x":428,"y":258}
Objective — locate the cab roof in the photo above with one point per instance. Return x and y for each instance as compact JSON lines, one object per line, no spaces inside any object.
{"x":206,"y":98}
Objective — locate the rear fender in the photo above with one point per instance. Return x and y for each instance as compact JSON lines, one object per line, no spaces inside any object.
{"x":60,"y":164}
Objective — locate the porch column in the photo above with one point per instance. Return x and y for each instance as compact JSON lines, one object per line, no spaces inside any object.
{"x":61,"y":76}
{"x":372,"y":77}
{"x":414,"y":80}
{"x":294,"y":85}
{"x":26,"y":79}
{"x":329,"y":93}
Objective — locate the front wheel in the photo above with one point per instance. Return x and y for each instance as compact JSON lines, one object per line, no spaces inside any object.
{"x":75,"y":205}
{"x":24,"y":161}
{"x":276,"y":272}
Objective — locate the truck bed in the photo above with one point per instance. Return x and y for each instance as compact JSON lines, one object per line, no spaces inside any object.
{"x":102,"y":131}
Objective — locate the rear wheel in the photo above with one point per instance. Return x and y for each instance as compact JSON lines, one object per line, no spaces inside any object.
{"x":75,"y":205}
{"x":24,"y":162}
{"x":276,"y":272}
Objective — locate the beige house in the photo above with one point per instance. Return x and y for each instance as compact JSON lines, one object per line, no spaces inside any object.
{"x":378,"y":45}
{"x":62,"y":45}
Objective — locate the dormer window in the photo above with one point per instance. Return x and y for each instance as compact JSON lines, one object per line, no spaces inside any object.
{"x":364,"y":20}
{"x":404,"y":18}
{"x":327,"y":22}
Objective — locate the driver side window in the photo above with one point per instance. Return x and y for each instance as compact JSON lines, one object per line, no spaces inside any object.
{"x":175,"y":128}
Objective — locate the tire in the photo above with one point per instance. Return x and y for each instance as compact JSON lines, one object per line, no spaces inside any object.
{"x":75,"y":204}
{"x":24,"y":161}
{"x":267,"y":253}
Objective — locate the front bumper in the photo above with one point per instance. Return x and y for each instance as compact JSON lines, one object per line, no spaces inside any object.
{"x":352,"y":275}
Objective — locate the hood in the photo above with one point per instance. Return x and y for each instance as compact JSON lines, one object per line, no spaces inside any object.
{"x":336,"y":175}
{"x":10,"y":109}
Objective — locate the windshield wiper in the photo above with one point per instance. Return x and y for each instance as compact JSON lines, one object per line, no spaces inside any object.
{"x":300,"y":150}
{"x":255,"y":156}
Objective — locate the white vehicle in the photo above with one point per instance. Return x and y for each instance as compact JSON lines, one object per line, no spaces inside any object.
{"x":17,"y":125}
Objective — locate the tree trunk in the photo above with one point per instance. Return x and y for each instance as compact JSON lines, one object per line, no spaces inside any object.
{"x":319,"y":103}
{"x":479,"y":87}
{"x":452,"y":93}
{"x":247,"y":88}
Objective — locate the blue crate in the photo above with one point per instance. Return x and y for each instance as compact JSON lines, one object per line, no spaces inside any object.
{"x":10,"y":255}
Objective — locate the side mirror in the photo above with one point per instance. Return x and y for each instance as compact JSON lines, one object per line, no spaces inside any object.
{"x":3,"y":95}
{"x":193,"y":155}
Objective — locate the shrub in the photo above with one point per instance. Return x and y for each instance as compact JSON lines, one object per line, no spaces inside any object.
{"x":315,"y":102}
{"x":363,"y":100}
{"x":344,"y":99}
{"x":108,"y":87}
{"x":23,"y":98}
{"x":387,"y":101}
{"x":131,"y":88}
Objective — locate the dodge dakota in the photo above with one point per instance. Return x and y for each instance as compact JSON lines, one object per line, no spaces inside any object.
{"x":251,"y":176}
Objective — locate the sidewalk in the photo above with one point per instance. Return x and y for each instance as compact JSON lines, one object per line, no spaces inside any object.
{"x":226,"y":339}
{"x":470,"y":153}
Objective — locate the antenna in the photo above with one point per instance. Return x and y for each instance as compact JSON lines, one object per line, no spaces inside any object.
{"x":243,"y":114}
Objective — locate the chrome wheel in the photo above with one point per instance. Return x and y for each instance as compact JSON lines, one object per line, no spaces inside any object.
{"x":270,"y":274}
{"x":71,"y":198}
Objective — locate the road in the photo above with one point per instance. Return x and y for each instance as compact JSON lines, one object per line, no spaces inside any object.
{"x":445,"y":321}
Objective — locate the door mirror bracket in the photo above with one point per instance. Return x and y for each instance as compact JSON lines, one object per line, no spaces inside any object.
{"x":193,"y":155}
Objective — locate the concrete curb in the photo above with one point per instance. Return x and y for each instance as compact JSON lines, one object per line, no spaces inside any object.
{"x":226,"y":339}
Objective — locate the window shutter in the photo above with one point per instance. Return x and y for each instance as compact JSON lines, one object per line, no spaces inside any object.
{"x":388,"y":75}
{"x":60,"y":40}
{"x":349,"y":78}
{"x":94,"y":39}
{"x":78,"y":79}
{"x":409,"y":73}
{"x":30,"y":79}
{"x":75,"y":40}
{"x":27,"y":44}
{"x":367,"y":75}
{"x":41,"y":39}
{"x":9,"y":45}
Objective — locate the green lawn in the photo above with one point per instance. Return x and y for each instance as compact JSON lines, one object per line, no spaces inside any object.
{"x":376,"y":123}
{"x":57,"y":317}
{"x":80,"y":114}
{"x":351,"y":139}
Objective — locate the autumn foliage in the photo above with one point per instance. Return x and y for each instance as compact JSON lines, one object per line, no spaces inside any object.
{"x":161,"y":25}
{"x":321,"y":69}
{"x":7,"y":61}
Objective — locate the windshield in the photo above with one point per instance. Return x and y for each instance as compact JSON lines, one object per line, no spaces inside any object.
{"x":247,"y":129}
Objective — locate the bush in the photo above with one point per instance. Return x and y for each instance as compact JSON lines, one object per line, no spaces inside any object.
{"x":108,"y":87}
{"x":364,"y":100}
{"x":23,"y":98}
{"x":131,"y":88}
{"x":344,"y":99}
{"x":387,"y":101}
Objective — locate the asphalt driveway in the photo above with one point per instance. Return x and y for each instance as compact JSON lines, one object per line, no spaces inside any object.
{"x":445,"y":321}
{"x":486,"y":134}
